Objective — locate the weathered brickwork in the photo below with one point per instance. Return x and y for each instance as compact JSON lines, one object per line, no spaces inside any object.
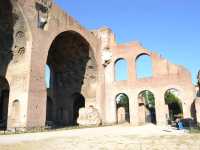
{"x":35,"y":33}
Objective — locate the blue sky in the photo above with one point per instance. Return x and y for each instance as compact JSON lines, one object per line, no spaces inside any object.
{"x":169,"y":27}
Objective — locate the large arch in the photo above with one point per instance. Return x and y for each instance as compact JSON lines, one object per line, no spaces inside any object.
{"x":121,"y":69}
{"x":73,"y":70}
{"x":122,"y":107}
{"x":143,"y":66}
{"x":146,"y":106}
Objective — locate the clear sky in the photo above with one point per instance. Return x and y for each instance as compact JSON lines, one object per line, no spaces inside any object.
{"x":169,"y":27}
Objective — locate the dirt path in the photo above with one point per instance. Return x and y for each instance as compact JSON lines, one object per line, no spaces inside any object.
{"x":121,"y":137}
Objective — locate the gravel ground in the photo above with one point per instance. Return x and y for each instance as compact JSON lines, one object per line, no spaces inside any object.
{"x":120,"y":137}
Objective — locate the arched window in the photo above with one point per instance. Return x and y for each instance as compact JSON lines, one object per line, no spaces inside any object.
{"x":143,"y":66}
{"x":121,"y":69}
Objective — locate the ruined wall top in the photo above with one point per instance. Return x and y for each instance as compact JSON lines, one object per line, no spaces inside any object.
{"x":106,"y":36}
{"x":54,"y":21}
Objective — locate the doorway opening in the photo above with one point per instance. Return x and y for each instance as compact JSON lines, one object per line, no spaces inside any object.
{"x":122,"y":103}
{"x":173,"y":101}
{"x":146,"y":102}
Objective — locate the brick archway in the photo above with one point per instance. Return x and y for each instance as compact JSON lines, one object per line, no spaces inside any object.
{"x":73,"y":69}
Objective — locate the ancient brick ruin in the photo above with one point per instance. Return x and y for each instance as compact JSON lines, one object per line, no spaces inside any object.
{"x":35,"y":33}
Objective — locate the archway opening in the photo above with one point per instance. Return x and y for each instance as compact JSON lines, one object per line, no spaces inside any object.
{"x":122,"y":103}
{"x":78,"y":102}
{"x":143,"y":66}
{"x":121,"y":69}
{"x":146,"y":102}
{"x":72,"y":68}
{"x":4,"y":100}
{"x":173,"y":101}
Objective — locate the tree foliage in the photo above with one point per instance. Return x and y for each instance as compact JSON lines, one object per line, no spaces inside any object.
{"x":171,"y":98}
{"x":149,"y":99}
{"x":123,"y":100}
{"x":174,"y":104}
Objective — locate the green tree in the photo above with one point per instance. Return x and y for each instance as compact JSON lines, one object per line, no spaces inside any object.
{"x":171,"y":98}
{"x":149,"y":99}
{"x":123,"y":100}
